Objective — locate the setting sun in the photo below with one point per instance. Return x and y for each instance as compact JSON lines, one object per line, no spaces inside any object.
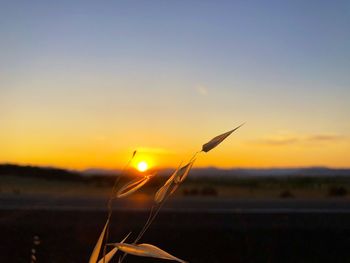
{"x":142,"y":166}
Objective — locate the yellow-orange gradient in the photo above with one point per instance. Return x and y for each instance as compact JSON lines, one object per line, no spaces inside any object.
{"x":245,"y":148}
{"x":84,"y":85}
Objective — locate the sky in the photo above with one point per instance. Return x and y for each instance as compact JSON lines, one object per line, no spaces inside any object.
{"x":85,"y":83}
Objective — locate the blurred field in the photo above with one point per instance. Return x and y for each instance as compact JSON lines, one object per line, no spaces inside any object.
{"x":216,"y":219}
{"x":68,"y":236}
{"x":305,"y":188}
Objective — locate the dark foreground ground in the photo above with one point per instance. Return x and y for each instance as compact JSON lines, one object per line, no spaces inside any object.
{"x":194,"y":230}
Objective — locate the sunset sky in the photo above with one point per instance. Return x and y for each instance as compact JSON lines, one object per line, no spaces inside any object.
{"x":83,"y":84}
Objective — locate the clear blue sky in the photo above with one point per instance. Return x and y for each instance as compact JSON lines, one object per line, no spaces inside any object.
{"x":85,"y":73}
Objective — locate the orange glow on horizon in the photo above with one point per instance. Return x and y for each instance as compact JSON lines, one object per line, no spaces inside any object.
{"x":96,"y":105}
{"x":244,"y":149}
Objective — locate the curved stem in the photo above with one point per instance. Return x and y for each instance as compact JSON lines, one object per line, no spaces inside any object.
{"x":110,"y":202}
{"x":152,"y":217}
{"x":148,"y":223}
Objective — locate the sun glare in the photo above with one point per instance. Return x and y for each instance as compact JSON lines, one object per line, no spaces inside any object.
{"x":142,"y":166}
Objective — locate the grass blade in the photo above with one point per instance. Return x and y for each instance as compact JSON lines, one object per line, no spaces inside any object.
{"x":133,"y":186}
{"x":111,"y":253}
{"x":108,"y":256}
{"x":177,"y":177}
{"x":97,"y":248}
{"x":217,"y":140}
{"x":183,"y":172}
{"x":161,"y":193}
{"x":146,"y":250}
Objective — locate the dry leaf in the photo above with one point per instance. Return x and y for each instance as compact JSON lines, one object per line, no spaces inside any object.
{"x":161,"y":193}
{"x":146,"y":250}
{"x":111,"y":253}
{"x":183,"y":172}
{"x":108,"y":256}
{"x":174,"y":188}
{"x":177,"y":177}
{"x":217,"y":140}
{"x":96,"y":251}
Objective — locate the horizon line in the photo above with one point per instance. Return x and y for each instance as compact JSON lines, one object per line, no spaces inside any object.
{"x":171,"y":168}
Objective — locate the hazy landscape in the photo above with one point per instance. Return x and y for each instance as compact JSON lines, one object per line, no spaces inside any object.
{"x":303,"y":183}
{"x":175,"y":131}
{"x":248,"y":214}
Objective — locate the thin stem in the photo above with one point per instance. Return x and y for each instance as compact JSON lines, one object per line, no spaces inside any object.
{"x":149,"y":222}
{"x":195,"y":155}
{"x":110,"y":202}
{"x":152,"y":217}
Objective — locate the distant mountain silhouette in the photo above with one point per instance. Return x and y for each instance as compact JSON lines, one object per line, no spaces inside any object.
{"x":278,"y":172}
{"x":39,"y":172}
{"x":97,"y":171}
{"x":50,"y":173}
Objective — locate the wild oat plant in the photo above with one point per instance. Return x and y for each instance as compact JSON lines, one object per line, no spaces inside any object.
{"x":161,"y":196}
